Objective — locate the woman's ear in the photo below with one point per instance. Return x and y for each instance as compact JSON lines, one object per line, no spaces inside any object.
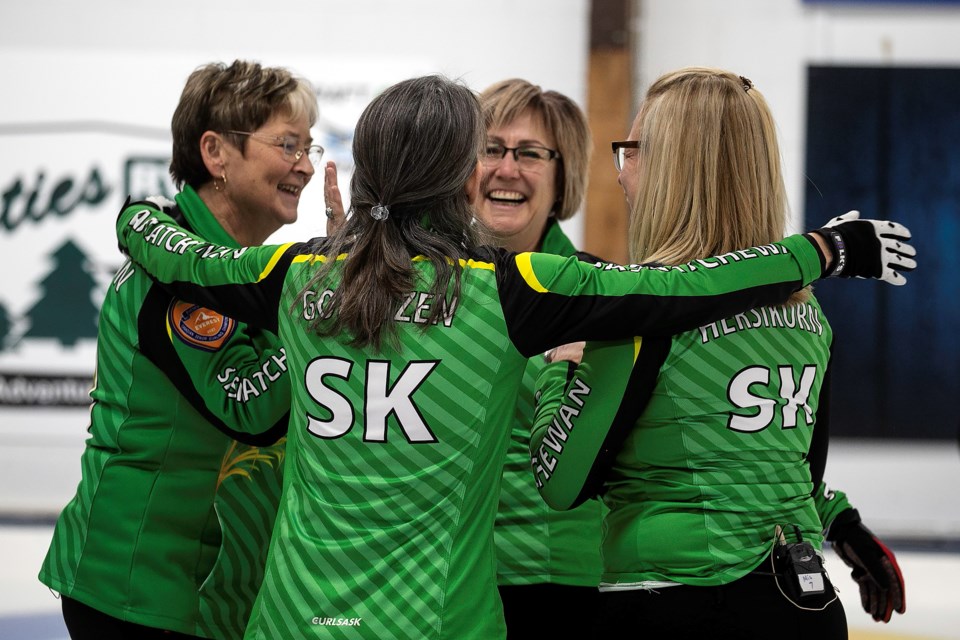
{"x":212,"y":152}
{"x":473,"y":184}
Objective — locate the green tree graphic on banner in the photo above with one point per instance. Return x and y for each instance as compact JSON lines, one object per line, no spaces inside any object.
{"x":65,"y":311}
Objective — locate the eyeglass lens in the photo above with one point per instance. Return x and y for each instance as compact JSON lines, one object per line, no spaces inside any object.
{"x":292,"y":151}
{"x":289,"y":147}
{"x":620,"y":152}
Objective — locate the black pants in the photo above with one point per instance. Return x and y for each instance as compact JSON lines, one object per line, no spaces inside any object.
{"x":751,"y":607}
{"x":539,"y":611}
{"x":86,"y":623}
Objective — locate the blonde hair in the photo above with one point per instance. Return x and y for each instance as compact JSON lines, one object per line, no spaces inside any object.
{"x":505,"y":101}
{"x":710,"y":180}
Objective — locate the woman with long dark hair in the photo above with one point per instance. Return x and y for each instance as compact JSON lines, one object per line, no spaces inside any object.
{"x":406,"y":343}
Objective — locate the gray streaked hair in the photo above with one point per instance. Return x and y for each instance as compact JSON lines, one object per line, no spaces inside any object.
{"x":415,"y":148}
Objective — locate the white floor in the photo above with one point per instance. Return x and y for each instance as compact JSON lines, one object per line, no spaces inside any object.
{"x":28,"y":611}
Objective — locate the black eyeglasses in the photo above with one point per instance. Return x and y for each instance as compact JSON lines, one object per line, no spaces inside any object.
{"x":527,"y":157}
{"x":289,"y":146}
{"x":620,"y":151}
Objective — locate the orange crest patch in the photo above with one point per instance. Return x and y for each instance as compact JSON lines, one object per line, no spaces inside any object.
{"x":198,"y":326}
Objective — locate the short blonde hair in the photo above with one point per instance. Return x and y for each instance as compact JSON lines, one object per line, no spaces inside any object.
{"x":505,"y":101}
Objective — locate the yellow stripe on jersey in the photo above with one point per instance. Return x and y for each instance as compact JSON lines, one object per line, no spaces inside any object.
{"x":273,"y":261}
{"x":476,"y":264}
{"x":525,"y":267}
{"x":473,"y":264}
{"x":637,"y":342}
{"x":311,"y":257}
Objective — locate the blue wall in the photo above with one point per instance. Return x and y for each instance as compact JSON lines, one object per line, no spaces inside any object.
{"x":887,"y":141}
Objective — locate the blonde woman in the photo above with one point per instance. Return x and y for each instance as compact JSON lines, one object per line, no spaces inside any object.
{"x":406,"y":344}
{"x":534,"y":175}
{"x":700,"y":444}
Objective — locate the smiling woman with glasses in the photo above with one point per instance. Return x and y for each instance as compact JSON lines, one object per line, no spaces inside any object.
{"x":290,"y":145}
{"x":167,"y":535}
{"x":405,"y":377}
{"x":544,"y":557}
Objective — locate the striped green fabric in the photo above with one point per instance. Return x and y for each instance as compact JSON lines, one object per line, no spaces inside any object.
{"x":245,"y":505}
{"x":341,"y":563}
{"x":537,"y":544}
{"x":830,"y":503}
{"x":394,"y":458}
{"x":171,"y":520}
{"x":718,"y":457}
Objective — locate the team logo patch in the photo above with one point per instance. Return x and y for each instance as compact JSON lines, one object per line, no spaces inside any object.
{"x":198,"y":326}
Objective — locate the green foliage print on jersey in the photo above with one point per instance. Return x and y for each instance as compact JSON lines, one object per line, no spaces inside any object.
{"x":245,"y":508}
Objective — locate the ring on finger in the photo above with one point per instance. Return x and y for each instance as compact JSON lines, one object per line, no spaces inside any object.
{"x":329,"y":212}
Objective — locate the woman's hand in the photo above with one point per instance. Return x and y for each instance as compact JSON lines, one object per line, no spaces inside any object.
{"x":333,"y":202}
{"x":572,"y":352}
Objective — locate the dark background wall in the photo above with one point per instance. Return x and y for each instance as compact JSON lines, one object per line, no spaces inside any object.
{"x":887,"y":141}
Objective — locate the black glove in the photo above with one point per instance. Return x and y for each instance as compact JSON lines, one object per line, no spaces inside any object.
{"x":875,"y":568}
{"x":869,"y":248}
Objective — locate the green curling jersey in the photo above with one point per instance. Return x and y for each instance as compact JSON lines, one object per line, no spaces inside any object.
{"x":829,"y":503}
{"x":394,"y":458}
{"x":698,"y":443}
{"x":171,"y":521}
{"x":536,"y":544}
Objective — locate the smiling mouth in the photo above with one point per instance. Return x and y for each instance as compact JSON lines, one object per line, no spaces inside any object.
{"x":506,"y":197}
{"x":287,"y":188}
